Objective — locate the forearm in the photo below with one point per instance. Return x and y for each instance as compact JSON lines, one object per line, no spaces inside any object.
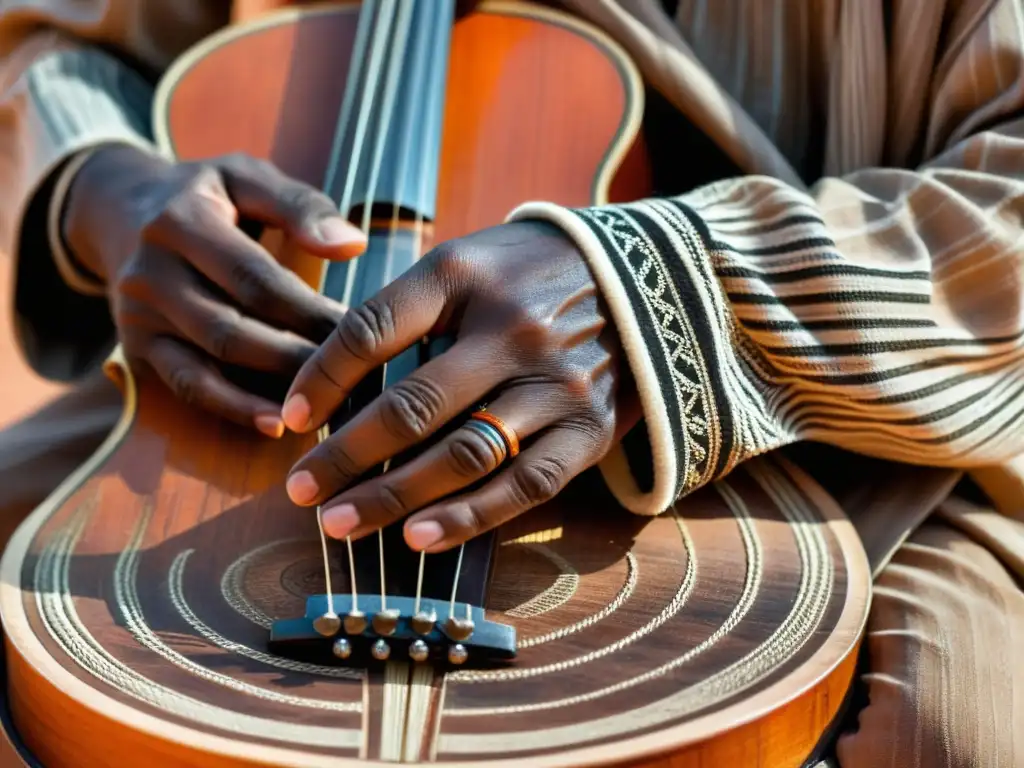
{"x":878,"y":314}
{"x":63,"y":99}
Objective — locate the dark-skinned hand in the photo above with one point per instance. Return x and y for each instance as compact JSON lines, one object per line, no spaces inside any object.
{"x":188,"y":289}
{"x":532,"y":339}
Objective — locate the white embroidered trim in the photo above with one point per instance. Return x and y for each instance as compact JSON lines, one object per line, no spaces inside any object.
{"x":614,"y":466}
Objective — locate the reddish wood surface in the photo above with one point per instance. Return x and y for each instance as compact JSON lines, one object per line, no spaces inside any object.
{"x":533,"y":108}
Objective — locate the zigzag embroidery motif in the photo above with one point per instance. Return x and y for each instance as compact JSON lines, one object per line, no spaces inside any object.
{"x":691,"y":388}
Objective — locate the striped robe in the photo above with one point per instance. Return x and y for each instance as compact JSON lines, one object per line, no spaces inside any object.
{"x":859,"y":282}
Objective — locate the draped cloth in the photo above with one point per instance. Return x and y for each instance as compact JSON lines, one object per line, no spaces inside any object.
{"x":856,"y":283}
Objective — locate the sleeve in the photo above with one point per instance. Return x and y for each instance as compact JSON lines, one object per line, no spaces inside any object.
{"x":881,"y":312}
{"x":59,"y":99}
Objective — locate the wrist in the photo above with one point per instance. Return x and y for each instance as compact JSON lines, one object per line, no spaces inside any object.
{"x":75,"y":274}
{"x":89,"y":213}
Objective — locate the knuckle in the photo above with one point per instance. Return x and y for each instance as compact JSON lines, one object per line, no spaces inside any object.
{"x":579,"y":383}
{"x":340,"y":460}
{"x":220,"y":336}
{"x":470,"y":455}
{"x":475,"y":521}
{"x":325,"y":374}
{"x":164,"y":224}
{"x":251,"y":283}
{"x":186,"y":384}
{"x":451,"y":264}
{"x":134,"y":281}
{"x":392,"y":502}
{"x":538,"y":481}
{"x":410,"y":408}
{"x":203,"y":178}
{"x":467,"y":519}
{"x":530,"y":333}
{"x":238,"y":161}
{"x":366,"y":329}
{"x":185,"y":203}
{"x":300,"y":202}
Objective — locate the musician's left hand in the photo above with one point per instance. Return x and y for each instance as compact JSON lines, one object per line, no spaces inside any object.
{"x":533,"y":340}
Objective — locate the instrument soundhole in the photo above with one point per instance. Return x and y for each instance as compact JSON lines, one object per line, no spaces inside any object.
{"x":277,"y":579}
{"x":304,"y":578}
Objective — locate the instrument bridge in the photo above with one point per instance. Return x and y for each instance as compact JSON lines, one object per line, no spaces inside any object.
{"x":366,"y":629}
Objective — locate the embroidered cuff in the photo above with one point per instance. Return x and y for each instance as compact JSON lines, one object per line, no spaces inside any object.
{"x":654,"y":270}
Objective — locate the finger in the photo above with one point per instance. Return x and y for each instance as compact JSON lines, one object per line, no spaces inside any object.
{"x":223,"y":332}
{"x":261,"y":286}
{"x":262,"y":192}
{"x":367,"y":337}
{"x":537,"y":475}
{"x":196,"y":383}
{"x":403,"y":416}
{"x":463,"y":458}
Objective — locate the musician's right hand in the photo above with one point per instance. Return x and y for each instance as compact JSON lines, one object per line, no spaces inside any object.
{"x":188,"y":289}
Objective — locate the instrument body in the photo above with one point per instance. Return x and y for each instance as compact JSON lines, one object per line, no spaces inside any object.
{"x":137,"y":600}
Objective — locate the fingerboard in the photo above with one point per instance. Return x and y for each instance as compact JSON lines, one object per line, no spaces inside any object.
{"x":385,"y":169}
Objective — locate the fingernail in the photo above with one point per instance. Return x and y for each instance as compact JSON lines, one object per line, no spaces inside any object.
{"x":297,"y":413}
{"x":302,"y":487}
{"x":269,"y":424}
{"x":340,"y":521}
{"x":422,"y":535}
{"x":336,"y":231}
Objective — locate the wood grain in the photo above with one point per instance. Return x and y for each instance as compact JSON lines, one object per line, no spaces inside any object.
{"x":137,"y":600}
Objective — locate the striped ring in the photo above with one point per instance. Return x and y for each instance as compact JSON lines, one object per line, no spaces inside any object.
{"x":490,"y":425}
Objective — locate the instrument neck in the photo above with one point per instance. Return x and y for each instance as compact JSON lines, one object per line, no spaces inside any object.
{"x":383,"y":173}
{"x":385,"y":157}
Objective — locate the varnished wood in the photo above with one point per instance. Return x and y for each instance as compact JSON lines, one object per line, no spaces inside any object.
{"x":11,"y":755}
{"x":722,"y":633}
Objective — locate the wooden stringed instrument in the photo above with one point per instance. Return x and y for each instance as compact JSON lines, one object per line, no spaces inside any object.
{"x":168,"y":606}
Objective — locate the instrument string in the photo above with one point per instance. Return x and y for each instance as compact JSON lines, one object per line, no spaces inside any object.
{"x":371,"y":32}
{"x":403,"y":24}
{"x":366,"y":22}
{"x":433,"y":97}
{"x":380,"y":44}
{"x":394,"y":223}
{"x":455,"y":582}
{"x":381,"y":28}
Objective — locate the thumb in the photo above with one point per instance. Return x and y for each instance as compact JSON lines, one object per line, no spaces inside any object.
{"x":335,"y":238}
{"x":263,"y":193}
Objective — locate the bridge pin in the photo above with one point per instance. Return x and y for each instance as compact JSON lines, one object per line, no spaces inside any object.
{"x":355,"y":623}
{"x":458,"y":654}
{"x":423,"y":622}
{"x":327,"y":625}
{"x":459,"y":629}
{"x":419,"y":651}
{"x":386,"y":622}
{"x":381,"y":650}
{"x":342,"y":648}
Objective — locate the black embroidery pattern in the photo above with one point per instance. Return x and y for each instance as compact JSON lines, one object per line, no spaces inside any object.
{"x":683,"y":373}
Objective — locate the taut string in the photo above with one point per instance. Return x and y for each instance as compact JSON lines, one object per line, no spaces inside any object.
{"x":372,"y":31}
{"x":382,"y":31}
